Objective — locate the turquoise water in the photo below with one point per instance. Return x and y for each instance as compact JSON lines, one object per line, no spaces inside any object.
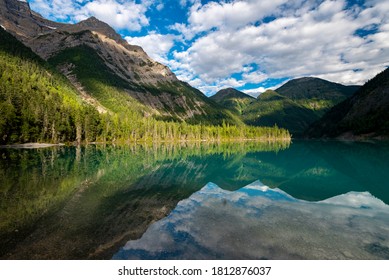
{"x":307,"y":200}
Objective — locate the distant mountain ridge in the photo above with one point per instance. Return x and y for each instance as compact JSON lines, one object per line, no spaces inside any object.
{"x":294,"y":106}
{"x":363,"y":115}
{"x":232,"y":99}
{"x":311,"y":87}
{"x":315,"y":93}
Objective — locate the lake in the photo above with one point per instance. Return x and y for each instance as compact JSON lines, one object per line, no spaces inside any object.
{"x":300,"y":200}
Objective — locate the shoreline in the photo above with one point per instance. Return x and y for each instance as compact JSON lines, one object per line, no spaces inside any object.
{"x":48,"y":145}
{"x":31,"y":145}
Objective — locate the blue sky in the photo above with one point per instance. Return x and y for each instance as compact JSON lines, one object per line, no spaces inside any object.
{"x":250,"y":45}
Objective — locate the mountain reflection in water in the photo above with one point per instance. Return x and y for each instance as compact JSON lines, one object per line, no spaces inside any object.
{"x":257,"y":222}
{"x":87,"y":202}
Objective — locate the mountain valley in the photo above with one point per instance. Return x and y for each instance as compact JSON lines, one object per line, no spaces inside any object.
{"x":84,"y":82}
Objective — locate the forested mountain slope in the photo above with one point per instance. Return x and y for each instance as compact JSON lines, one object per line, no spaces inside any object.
{"x":233,"y":99}
{"x":365,"y":114}
{"x":271,"y":109}
{"x":294,"y":106}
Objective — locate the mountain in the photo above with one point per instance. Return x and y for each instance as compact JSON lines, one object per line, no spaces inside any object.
{"x":77,"y":49}
{"x":232,"y":99}
{"x":40,"y":104}
{"x":300,"y":104}
{"x":17,"y":17}
{"x":296,"y":104}
{"x":83,"y":83}
{"x":272,"y":108}
{"x":365,"y":114}
{"x":316,"y":94}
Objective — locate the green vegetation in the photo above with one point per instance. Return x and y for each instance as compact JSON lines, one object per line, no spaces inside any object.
{"x":316,"y":94}
{"x":37,"y":104}
{"x":293,"y":106}
{"x":45,"y":177}
{"x":364,"y":114}
{"x":122,"y":97}
{"x":272,"y":109}
{"x":233,"y":100}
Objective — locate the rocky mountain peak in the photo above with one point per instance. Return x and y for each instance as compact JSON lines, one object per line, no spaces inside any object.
{"x":92,"y":21}
{"x":94,"y":24}
{"x":18,"y":19}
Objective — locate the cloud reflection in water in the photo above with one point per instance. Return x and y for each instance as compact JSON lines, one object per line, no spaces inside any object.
{"x":257,"y":222}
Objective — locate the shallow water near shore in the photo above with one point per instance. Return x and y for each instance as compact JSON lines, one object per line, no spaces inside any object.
{"x":305,"y":200}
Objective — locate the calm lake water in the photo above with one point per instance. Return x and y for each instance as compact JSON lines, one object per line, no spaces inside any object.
{"x":305,"y":200}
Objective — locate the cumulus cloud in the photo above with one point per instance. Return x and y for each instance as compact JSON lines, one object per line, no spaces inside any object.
{"x":302,"y":38}
{"x":120,"y":14}
{"x":184,"y":3}
{"x":58,"y":9}
{"x":230,"y":15}
{"x":245,"y":43}
{"x":156,"y":45}
{"x":254,"y":77}
{"x":255,"y":92}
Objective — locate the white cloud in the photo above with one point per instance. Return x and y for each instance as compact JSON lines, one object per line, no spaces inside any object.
{"x":226,"y":15}
{"x":187,"y":33}
{"x":255,"y":92}
{"x":126,"y":15}
{"x":350,"y":77}
{"x":184,"y":3}
{"x":160,"y":6}
{"x":305,"y":38}
{"x":156,"y":45}
{"x":54,"y":9}
{"x":230,"y":82}
{"x":254,"y":77}
{"x":251,"y":39}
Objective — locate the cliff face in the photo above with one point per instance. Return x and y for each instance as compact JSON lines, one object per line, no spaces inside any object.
{"x":15,"y":6}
